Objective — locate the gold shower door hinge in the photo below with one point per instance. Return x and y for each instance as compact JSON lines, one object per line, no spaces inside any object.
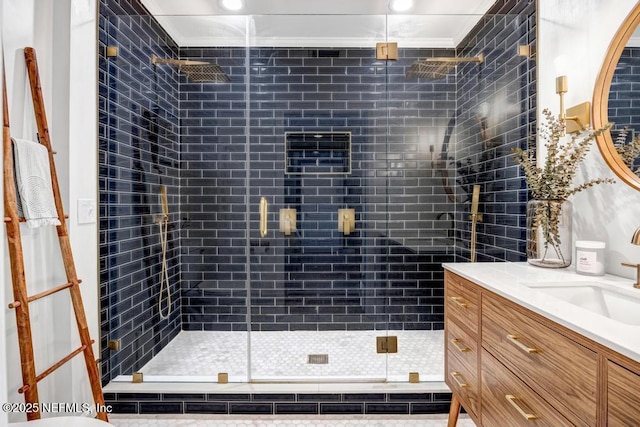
{"x":387,"y":344}
{"x":387,"y":50}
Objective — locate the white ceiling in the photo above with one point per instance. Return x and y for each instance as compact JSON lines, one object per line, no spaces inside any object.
{"x":324,"y":23}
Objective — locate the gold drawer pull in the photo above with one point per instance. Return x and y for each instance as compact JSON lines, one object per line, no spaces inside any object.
{"x":455,"y":376}
{"x":459,"y":301}
{"x":512,"y":399}
{"x":460,"y":345}
{"x":516,"y":340}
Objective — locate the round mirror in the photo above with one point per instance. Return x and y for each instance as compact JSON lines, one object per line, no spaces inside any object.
{"x":615,"y":99}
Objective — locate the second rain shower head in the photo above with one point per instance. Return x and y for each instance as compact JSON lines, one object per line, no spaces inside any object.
{"x":438,"y":68}
{"x":196,"y":71}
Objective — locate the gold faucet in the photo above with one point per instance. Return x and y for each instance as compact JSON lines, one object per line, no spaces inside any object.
{"x":635,"y":239}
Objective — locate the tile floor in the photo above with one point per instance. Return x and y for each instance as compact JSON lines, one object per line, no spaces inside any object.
{"x":283,"y":356}
{"x":291,"y":421}
{"x":277,"y":358}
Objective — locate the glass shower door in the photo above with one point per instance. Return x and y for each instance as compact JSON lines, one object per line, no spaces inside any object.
{"x":318,"y":159}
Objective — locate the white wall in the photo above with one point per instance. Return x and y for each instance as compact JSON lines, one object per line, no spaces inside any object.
{"x":4,"y":417}
{"x":573,"y":37}
{"x":63,"y":33}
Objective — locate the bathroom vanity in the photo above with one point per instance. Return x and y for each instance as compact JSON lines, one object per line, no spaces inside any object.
{"x":538,"y":347}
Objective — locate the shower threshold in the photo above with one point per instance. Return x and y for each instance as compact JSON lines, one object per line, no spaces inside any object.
{"x":355,"y":378}
{"x":273,"y":358}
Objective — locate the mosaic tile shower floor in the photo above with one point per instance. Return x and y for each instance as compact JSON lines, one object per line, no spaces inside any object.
{"x":292,"y":421}
{"x":284,"y":356}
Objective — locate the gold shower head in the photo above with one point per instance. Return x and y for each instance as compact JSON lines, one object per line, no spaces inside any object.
{"x":196,"y":71}
{"x":438,"y":68}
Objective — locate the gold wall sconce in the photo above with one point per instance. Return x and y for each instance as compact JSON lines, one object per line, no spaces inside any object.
{"x":576,"y":118}
{"x":287,"y":221}
{"x":346,"y":221}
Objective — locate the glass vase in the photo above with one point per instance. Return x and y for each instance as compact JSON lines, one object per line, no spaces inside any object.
{"x":549,"y":233}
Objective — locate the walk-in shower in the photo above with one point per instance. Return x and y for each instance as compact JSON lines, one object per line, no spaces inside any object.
{"x":317,"y":128}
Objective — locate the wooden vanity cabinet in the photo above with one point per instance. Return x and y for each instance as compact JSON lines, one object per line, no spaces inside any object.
{"x":623,"y":396}
{"x":462,"y":303}
{"x":510,"y":366}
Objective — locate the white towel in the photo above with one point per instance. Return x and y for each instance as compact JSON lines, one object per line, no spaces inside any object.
{"x":33,"y":181}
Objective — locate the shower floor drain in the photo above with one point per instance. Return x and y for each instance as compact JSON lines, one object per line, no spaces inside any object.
{"x":318,"y":359}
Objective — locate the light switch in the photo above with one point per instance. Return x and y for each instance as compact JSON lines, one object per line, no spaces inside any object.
{"x":86,"y":211}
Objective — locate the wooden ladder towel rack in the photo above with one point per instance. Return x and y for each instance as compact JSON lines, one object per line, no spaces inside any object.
{"x":30,"y":378}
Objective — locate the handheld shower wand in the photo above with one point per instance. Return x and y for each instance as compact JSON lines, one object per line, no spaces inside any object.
{"x":474,"y":217}
{"x":163,"y":224}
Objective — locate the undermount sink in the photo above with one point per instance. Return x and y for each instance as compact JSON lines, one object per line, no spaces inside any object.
{"x":599,"y":297}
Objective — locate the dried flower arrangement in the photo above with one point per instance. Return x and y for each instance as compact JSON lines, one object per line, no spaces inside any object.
{"x":554,"y":180}
{"x":628,"y":151}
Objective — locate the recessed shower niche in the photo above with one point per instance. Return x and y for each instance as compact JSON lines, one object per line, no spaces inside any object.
{"x":322,"y":153}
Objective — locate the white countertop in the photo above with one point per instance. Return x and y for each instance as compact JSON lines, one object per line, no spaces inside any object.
{"x":510,"y":280}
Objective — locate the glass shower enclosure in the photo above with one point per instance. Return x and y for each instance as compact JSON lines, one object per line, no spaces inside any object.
{"x":311,"y":198}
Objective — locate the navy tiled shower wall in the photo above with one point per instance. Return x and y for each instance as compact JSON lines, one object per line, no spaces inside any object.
{"x":387,"y":273}
{"x":496,"y":112}
{"x":138,"y":152}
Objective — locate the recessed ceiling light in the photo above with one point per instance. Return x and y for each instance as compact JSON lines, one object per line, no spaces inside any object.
{"x":232,"y":4}
{"x":400,"y":5}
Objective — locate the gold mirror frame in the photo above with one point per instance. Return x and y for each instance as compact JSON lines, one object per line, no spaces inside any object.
{"x":601,"y":99}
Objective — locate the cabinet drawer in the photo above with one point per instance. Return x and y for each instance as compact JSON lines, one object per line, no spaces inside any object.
{"x":507,"y":401}
{"x":463,"y":381}
{"x":462,"y":300}
{"x":623,"y":401}
{"x":462,"y":366}
{"x":559,"y":369}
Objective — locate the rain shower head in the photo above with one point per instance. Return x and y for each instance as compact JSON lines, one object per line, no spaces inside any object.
{"x":438,"y":68}
{"x":196,"y":71}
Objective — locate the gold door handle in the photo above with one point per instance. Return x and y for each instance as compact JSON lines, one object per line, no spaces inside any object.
{"x":459,"y":301}
{"x":460,"y":345}
{"x":263,"y":217}
{"x":527,"y":416}
{"x":456,"y":376}
{"x":516,"y":340}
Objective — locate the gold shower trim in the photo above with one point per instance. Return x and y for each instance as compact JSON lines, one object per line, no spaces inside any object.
{"x":387,"y":50}
{"x":387,"y":344}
